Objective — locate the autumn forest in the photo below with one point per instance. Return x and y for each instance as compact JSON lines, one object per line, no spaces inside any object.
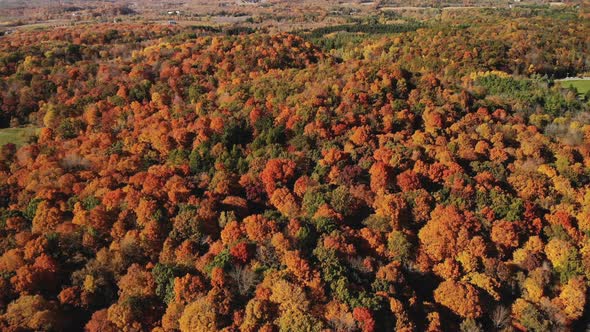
{"x":407,"y":175}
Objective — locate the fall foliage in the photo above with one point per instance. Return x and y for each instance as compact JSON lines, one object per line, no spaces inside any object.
{"x":431,"y":178}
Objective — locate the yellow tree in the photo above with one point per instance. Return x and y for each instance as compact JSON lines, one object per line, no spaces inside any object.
{"x":461,"y":298}
{"x":573,"y":298}
{"x":199,"y":316}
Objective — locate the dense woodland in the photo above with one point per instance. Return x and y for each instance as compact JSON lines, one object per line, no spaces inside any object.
{"x":432,"y":178}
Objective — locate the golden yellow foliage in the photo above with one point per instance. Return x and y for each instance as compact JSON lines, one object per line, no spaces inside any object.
{"x":198,"y":316}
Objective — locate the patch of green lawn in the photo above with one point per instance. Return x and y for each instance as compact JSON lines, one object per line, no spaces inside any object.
{"x":583,"y":86}
{"x":17,"y":136}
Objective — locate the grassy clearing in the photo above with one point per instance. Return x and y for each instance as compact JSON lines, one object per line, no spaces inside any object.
{"x":17,"y":136}
{"x":583,"y":86}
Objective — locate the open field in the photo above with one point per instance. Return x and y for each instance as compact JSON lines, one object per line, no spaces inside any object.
{"x":582,"y":85}
{"x":17,"y":136}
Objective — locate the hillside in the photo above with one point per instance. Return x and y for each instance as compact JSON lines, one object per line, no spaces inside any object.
{"x":408,"y":176}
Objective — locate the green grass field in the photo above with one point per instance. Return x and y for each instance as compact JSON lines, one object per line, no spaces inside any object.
{"x":583,"y":86}
{"x":17,"y":136}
